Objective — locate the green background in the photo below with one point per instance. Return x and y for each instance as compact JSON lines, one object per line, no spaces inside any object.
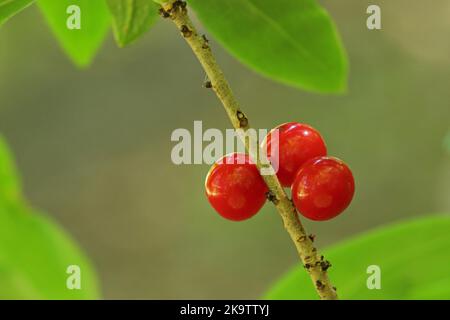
{"x":93,"y":146}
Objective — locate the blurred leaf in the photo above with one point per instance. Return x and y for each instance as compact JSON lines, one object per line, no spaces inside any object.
{"x":132,"y":18}
{"x":414,"y":258}
{"x":80,"y":44}
{"x":34,"y":252}
{"x":8,"y":8}
{"x":292,"y":41}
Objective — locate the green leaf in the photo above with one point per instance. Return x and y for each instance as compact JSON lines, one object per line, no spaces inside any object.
{"x":8,"y":8}
{"x":132,"y":18}
{"x":292,"y":41}
{"x":414,"y":259}
{"x":80,"y":44}
{"x":34,"y":252}
{"x":447,"y":143}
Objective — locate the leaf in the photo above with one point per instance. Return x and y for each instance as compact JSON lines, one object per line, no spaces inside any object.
{"x":80,"y":44}
{"x":8,"y":8}
{"x":414,"y":258}
{"x":291,"y":41}
{"x":35,"y":252}
{"x":132,"y":18}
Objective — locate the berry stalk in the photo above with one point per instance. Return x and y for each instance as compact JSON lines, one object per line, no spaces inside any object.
{"x":313,"y":262}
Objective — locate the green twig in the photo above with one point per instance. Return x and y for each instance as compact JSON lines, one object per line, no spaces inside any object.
{"x":314,"y":263}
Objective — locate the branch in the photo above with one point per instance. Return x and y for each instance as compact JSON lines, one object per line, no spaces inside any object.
{"x":313,"y":262}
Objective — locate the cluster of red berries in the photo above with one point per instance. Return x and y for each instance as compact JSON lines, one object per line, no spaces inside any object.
{"x":322,"y":187}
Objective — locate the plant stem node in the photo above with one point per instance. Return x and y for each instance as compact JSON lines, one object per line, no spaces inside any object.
{"x":186,"y":31}
{"x":208,"y":84}
{"x":320,"y":285}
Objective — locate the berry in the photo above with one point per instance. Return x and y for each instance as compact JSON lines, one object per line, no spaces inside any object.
{"x":298,"y":143}
{"x":235,"y":188}
{"x":323,"y":188}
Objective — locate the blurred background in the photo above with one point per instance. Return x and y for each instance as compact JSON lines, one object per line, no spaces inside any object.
{"x":93,"y":146}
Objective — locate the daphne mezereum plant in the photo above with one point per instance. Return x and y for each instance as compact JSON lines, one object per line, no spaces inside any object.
{"x":177,"y":12}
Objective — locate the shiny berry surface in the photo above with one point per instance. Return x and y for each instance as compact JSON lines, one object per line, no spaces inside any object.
{"x":235,"y":188}
{"x":297,"y":143}
{"x":323,"y":188}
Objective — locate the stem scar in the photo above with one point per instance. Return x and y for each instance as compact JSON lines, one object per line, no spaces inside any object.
{"x":243,"y":121}
{"x":320,"y":285}
{"x":272,"y":197}
{"x":186,"y":31}
{"x":205,"y":42}
{"x":208,"y":84}
{"x":178,"y":13}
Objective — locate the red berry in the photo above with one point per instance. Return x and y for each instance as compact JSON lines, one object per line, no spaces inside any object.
{"x":298,"y":143}
{"x":235,"y":188}
{"x":323,"y":188}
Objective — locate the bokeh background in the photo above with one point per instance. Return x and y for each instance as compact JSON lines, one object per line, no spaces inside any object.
{"x":94,"y":146}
